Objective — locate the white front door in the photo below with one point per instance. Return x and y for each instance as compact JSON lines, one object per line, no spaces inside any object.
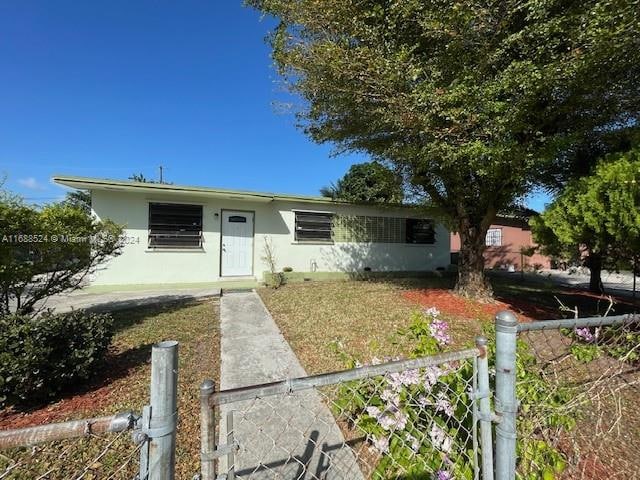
{"x":237,"y":243}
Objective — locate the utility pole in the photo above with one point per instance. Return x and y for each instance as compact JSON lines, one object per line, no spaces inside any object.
{"x":161,"y":174}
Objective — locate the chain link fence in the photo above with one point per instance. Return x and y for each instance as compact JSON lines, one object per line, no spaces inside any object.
{"x":565,"y":407}
{"x":404,"y":419}
{"x":122,"y":446}
{"x":103,"y":454}
{"x":578,"y":390}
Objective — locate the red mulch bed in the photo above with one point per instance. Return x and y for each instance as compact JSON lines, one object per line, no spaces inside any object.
{"x":87,"y":398}
{"x":451,"y":304}
{"x":57,"y":412}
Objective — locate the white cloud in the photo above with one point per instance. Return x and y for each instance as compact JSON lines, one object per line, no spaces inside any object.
{"x":31,"y":183}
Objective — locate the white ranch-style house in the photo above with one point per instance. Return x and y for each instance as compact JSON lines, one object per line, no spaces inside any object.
{"x":183,"y":234}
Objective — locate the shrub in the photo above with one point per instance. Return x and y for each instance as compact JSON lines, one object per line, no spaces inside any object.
{"x":420,"y":420}
{"x":41,"y":356}
{"x":287,"y":269}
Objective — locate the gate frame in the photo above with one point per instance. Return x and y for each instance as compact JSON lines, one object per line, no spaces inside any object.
{"x":210,"y":450}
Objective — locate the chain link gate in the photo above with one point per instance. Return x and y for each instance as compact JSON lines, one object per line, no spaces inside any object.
{"x":428,"y":417}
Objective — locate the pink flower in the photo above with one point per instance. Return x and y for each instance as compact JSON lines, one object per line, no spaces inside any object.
{"x":585,"y":334}
{"x":443,"y":475}
{"x":438,"y":330}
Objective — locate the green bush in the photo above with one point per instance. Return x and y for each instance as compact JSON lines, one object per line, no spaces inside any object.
{"x":41,"y":356}
{"x":426,"y":428}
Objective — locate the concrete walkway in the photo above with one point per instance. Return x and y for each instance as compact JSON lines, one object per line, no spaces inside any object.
{"x":287,"y":437}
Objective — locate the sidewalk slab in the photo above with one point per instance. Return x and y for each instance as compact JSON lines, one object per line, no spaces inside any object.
{"x":292,"y":436}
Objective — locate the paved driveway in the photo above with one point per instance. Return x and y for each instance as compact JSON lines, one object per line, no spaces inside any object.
{"x":119,"y":300}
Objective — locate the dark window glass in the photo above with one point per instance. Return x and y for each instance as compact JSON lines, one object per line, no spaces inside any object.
{"x":237,"y":219}
{"x":420,"y":231}
{"x":174,"y":225}
{"x":311,"y":226}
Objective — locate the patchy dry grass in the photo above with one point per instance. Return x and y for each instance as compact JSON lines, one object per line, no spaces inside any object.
{"x":361,"y":318}
{"x":124,"y":385}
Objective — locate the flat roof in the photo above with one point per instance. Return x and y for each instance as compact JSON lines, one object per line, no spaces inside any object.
{"x":88,"y":183}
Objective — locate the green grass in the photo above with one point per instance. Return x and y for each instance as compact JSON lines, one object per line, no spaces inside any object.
{"x":124,"y":385}
{"x":360,"y":318}
{"x":363,"y":318}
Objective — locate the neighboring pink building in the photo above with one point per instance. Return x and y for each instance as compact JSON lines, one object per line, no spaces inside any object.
{"x":505,"y":239}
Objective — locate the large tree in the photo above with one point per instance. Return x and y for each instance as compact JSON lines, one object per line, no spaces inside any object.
{"x":370,"y":182}
{"x":598,"y":215}
{"x":475,"y":101}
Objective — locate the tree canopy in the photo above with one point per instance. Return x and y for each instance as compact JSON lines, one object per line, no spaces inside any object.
{"x":369,"y":182}
{"x":599,"y":213}
{"x":476,"y":102}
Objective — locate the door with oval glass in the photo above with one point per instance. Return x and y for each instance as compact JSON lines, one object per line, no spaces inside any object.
{"x":236,"y":257}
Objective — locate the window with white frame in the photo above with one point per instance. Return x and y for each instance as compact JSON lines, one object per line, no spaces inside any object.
{"x":494,"y":237}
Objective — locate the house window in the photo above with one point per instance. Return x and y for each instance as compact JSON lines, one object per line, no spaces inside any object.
{"x":173,"y":225}
{"x":313,"y":227}
{"x":494,"y":237}
{"x":420,"y":231}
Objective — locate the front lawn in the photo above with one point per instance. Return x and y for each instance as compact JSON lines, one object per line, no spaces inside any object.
{"x":321,"y":320}
{"x":124,"y":385}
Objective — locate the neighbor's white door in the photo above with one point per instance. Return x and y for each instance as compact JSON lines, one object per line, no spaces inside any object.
{"x":237,"y":243}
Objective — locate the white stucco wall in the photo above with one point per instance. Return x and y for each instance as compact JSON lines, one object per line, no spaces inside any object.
{"x":275,"y":219}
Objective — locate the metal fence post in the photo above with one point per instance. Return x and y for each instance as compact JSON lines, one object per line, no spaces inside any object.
{"x":483,"y":393}
{"x":164,"y":410}
{"x":505,"y":400}
{"x":207,"y":432}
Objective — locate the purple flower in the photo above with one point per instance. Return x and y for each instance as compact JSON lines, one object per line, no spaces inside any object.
{"x":373,"y":411}
{"x":381,"y":444}
{"x":432,"y":312}
{"x":394,"y":421}
{"x":440,"y":439}
{"x":443,"y":405}
{"x":413,"y":442}
{"x":438,"y":330}
{"x":443,"y":475}
{"x":430,"y":377}
{"x":391,"y":397}
{"x":408,"y":377}
{"x":585,"y":334}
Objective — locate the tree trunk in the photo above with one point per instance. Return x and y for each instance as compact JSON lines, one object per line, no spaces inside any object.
{"x":595,"y":269}
{"x":471,"y":279}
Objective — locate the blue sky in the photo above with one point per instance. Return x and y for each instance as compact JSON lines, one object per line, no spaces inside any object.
{"x":108,"y":89}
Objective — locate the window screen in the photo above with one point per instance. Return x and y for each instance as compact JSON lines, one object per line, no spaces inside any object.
{"x":174,"y":225}
{"x":420,"y":231}
{"x":313,"y":226}
{"x":494,"y":237}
